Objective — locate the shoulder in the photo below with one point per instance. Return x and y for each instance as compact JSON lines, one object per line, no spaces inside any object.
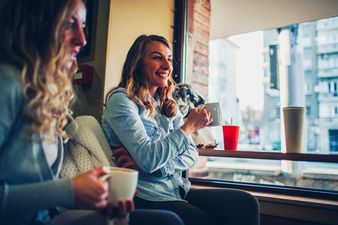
{"x":11,"y":99}
{"x":119,"y":97}
{"x":10,"y":77}
{"x":10,"y":85}
{"x":120,"y":102}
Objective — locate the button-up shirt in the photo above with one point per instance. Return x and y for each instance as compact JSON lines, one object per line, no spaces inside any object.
{"x":156,"y":143}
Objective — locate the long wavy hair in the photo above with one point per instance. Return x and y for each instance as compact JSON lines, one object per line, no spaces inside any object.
{"x":31,"y":40}
{"x":135,"y":82}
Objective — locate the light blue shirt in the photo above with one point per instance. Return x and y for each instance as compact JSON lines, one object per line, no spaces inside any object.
{"x":157,"y":144}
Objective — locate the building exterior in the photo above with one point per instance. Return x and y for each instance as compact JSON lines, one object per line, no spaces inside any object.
{"x":327,"y":64}
{"x":222,"y":81}
{"x":318,"y":42}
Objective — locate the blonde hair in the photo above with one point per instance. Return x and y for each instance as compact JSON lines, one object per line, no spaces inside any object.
{"x":135,"y":83}
{"x":32,"y":41}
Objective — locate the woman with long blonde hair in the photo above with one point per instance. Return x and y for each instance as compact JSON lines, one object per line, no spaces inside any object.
{"x":147,"y":133}
{"x":39,"y":44}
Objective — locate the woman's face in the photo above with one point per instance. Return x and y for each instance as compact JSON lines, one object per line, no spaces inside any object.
{"x":157,"y":65}
{"x":74,"y":35}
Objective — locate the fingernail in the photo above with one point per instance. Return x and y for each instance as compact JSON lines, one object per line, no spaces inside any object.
{"x":105,"y":169}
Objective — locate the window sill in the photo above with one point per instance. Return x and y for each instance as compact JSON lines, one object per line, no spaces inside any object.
{"x":309,"y":157}
{"x":268,"y":170}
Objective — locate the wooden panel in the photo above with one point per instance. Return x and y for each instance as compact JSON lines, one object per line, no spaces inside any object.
{"x":272,"y":220}
{"x":279,"y":209}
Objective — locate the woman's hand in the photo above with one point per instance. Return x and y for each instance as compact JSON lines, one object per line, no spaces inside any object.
{"x":124,"y":207}
{"x":168,"y":107}
{"x":198,"y":118}
{"x":124,"y":159}
{"x":89,"y":190}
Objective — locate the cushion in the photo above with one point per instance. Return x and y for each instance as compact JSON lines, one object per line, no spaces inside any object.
{"x":87,"y":147}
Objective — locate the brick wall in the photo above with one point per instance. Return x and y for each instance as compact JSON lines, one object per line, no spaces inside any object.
{"x":198,"y":45}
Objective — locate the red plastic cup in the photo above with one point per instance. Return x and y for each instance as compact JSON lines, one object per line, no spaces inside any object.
{"x":230,"y":137}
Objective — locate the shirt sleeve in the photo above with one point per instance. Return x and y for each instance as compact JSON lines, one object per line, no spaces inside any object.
{"x":18,"y":201}
{"x":122,"y":115}
{"x":11,"y":100}
{"x":21,"y":200}
{"x":186,"y":158}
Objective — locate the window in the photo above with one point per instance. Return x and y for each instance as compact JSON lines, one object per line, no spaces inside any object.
{"x":333,"y":136}
{"x":307,"y":64}
{"x":244,"y":76}
{"x":308,"y":110}
{"x":329,"y":87}
{"x":306,"y":41}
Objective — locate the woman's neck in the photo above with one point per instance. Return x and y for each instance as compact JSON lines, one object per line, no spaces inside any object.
{"x":152,"y":91}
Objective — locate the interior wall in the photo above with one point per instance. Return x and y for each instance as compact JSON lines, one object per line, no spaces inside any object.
{"x":127,"y":20}
{"x":89,"y":98}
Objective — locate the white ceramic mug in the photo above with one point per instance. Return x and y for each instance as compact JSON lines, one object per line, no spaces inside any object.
{"x":122,"y":183}
{"x":215,"y":111}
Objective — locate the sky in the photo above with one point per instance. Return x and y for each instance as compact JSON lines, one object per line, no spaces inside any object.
{"x":249,"y":69}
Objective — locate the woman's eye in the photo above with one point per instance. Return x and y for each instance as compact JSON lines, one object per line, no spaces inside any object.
{"x":71,"y":25}
{"x":157,"y":57}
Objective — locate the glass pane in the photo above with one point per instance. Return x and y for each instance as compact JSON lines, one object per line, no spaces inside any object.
{"x":242,"y":73}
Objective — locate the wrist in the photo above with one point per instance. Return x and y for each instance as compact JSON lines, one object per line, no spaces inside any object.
{"x":187,"y":129}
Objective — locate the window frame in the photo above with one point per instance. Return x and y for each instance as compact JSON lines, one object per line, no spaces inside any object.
{"x":265,"y":188}
{"x":179,"y":48}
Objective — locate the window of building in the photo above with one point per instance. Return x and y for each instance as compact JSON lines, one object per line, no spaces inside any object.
{"x":329,"y":87}
{"x":307,"y":63}
{"x":333,"y":137}
{"x":306,"y":41}
{"x":308,"y":110}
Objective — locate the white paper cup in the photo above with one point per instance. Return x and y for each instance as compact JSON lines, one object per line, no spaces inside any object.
{"x":294,"y":128}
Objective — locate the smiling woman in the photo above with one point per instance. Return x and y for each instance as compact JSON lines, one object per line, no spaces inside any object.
{"x":158,"y":143}
{"x":39,"y":46}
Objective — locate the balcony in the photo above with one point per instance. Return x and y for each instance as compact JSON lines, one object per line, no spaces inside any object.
{"x":327,"y":24}
{"x":327,"y":48}
{"x":328,"y":97}
{"x":328,"y":72}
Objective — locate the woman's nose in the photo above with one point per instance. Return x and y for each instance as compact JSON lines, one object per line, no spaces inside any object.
{"x":167,"y":63}
{"x":80,"y":37}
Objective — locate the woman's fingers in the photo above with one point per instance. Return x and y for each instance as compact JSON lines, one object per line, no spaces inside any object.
{"x":164,"y":93}
{"x":89,"y":190}
{"x":122,"y":159}
{"x":125,"y":206}
{"x":120,"y":150}
{"x":130,"y":205}
{"x":210,"y":119}
{"x":122,"y":208}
